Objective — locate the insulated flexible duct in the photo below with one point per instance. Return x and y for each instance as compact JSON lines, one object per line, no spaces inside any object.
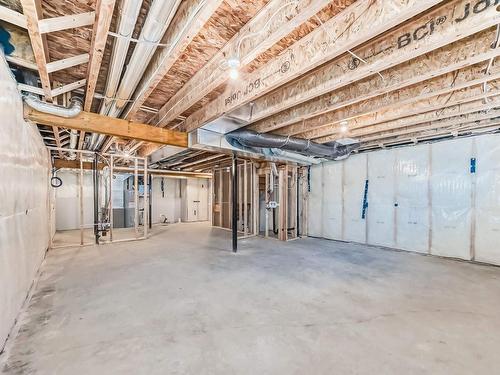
{"x":253,"y":141}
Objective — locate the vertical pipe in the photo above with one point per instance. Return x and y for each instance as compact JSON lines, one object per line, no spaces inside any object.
{"x":234,"y":175}
{"x":96,"y":198}
{"x":136,"y":198}
{"x":80,"y":187}
{"x":244,"y":212}
{"x":111,"y":173}
{"x":145,"y":211}
{"x":266,"y":200}
{"x":473,"y":211}
{"x":150,"y":209}
{"x":297,"y":203}
{"x":221,"y":198}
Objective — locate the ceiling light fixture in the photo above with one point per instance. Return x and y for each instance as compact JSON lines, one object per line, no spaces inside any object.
{"x":344,"y":127}
{"x":233,"y":63}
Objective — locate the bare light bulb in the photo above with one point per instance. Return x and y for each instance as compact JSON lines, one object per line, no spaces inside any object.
{"x":233,"y":73}
{"x":343,"y":127}
{"x":233,"y":64}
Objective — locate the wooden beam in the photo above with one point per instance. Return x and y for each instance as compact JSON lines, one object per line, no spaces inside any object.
{"x":104,"y":14}
{"x":458,"y":102}
{"x":188,"y":21}
{"x":75,"y":164}
{"x":468,"y":121}
{"x":360,"y":22}
{"x":29,"y":88}
{"x":33,"y":11}
{"x":13,"y":17}
{"x":72,"y":21}
{"x":254,"y":38}
{"x":460,"y":54}
{"x":435,"y":132}
{"x":54,"y":66}
{"x":92,"y":122}
{"x":473,"y":111}
{"x":201,"y":161}
{"x":67,"y":88}
{"x":21,"y":62}
{"x":328,"y":123}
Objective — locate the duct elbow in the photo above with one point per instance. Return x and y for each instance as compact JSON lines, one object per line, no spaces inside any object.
{"x":74,"y":109}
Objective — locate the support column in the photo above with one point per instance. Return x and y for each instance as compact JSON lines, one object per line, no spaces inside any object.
{"x":95,"y":175}
{"x":234,"y":206}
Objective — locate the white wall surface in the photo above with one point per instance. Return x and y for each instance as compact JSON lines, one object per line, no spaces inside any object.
{"x":424,"y":198}
{"x":24,"y":202}
{"x":68,"y":200}
{"x":168,"y":204}
{"x":195,"y":199}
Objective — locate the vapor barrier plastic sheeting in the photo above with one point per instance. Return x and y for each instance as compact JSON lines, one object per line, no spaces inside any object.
{"x":24,"y":203}
{"x":441,"y":198}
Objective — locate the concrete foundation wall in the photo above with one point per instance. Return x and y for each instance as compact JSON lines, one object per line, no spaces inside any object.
{"x":441,"y":199}
{"x":24,"y":202}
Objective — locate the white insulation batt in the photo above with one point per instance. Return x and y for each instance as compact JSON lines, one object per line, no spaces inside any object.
{"x":441,"y":198}
{"x":24,"y":203}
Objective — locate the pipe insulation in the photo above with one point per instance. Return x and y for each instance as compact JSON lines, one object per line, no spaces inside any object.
{"x":251,"y":140}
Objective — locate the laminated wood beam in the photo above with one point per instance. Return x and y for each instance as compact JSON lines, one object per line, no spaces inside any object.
{"x":254,"y":38}
{"x":72,"y":21}
{"x":461,"y":102}
{"x":188,"y":21}
{"x":92,"y":122}
{"x":457,"y":55}
{"x":357,"y":24}
{"x":329,"y":123}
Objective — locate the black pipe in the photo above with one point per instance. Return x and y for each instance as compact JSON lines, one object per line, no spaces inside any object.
{"x":297,"y":206}
{"x":96,"y":197}
{"x":150,"y":192}
{"x":234,"y":175}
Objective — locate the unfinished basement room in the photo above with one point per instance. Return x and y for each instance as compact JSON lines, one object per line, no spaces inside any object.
{"x":250,"y":187}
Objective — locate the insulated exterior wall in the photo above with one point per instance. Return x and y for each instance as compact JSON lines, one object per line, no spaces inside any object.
{"x":451,"y":196}
{"x":441,"y":198}
{"x":487,"y":223}
{"x":332,"y":213}
{"x":354,"y":187}
{"x":381,"y":190}
{"x":24,"y":204}
{"x":315,"y":205}
{"x":412,"y":198}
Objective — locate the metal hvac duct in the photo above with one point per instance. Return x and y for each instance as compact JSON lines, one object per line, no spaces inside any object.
{"x":251,"y":141}
{"x":74,"y":109}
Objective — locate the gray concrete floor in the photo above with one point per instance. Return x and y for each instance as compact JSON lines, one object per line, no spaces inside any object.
{"x":181,"y":303}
